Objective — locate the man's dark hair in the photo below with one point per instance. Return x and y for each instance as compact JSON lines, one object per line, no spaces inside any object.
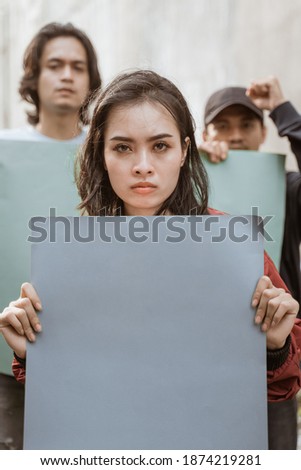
{"x":31,"y":65}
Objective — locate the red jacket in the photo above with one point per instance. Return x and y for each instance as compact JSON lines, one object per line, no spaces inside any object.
{"x":284,"y":381}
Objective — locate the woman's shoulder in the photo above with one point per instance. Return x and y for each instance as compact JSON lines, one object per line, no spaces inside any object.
{"x":212,"y":211}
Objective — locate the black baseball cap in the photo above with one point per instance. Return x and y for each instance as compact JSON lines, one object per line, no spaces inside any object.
{"x":226,"y":97}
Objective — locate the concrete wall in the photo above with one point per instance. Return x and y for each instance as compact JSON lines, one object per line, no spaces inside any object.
{"x":200,"y":44}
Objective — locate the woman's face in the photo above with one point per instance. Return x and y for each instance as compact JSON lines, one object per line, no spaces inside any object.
{"x":143,"y":155}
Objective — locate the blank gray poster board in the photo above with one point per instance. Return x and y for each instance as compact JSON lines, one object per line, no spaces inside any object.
{"x":34,"y":177}
{"x":252,"y":181}
{"x":149,"y":341}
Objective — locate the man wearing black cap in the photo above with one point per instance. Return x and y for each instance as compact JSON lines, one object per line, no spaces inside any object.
{"x":234,"y":120}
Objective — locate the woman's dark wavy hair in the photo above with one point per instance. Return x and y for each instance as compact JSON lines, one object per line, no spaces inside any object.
{"x":31,"y":65}
{"x":98,"y":198}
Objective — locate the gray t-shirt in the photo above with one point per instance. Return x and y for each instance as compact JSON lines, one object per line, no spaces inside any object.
{"x":29,"y":133}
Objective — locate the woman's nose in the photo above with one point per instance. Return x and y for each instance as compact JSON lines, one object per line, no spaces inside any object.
{"x":143,"y":164}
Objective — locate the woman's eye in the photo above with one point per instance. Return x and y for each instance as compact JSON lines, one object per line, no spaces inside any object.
{"x":160,"y":146}
{"x":122,"y":148}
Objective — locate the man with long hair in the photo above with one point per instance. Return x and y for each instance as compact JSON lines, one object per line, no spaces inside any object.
{"x":60,"y":75}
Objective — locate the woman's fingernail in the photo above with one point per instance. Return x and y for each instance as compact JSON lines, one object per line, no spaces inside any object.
{"x":38,"y":306}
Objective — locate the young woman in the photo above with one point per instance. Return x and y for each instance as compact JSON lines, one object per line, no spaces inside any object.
{"x":141,"y":158}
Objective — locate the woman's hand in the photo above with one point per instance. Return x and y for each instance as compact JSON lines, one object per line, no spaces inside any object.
{"x":19,"y":320}
{"x":276,"y":312}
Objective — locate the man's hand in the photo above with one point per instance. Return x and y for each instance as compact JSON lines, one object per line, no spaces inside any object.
{"x":266,"y":93}
{"x":217,"y":151}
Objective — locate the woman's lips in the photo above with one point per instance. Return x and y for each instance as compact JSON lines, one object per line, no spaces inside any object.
{"x":143,"y":188}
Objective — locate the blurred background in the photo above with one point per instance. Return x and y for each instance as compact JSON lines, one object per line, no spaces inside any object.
{"x":201,"y":45}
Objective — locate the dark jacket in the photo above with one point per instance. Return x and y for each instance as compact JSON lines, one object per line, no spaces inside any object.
{"x":288,"y":123}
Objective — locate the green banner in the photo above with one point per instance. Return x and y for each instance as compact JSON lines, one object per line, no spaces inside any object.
{"x":251,"y":183}
{"x":38,"y":176}
{"x":34,"y":177}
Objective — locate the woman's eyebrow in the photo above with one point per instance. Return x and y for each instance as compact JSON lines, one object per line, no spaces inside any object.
{"x":120,"y":137}
{"x":159,"y":136}
{"x":150,"y":139}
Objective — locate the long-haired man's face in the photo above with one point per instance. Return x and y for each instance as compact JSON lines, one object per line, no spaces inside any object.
{"x":237,"y":126}
{"x":63,"y":83}
{"x":143,"y":155}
